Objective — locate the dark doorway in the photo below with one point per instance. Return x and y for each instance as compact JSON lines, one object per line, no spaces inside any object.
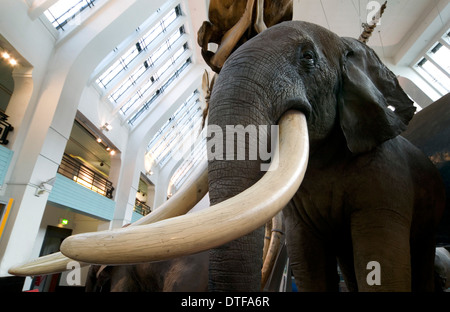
{"x":52,"y":241}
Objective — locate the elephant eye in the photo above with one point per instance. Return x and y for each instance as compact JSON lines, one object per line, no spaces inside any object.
{"x":309,"y":55}
{"x":308,"y":59}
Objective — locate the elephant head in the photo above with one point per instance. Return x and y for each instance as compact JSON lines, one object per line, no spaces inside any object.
{"x":351,"y":104}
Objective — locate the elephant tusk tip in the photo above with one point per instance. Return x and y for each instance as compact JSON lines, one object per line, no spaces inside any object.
{"x":16,"y":270}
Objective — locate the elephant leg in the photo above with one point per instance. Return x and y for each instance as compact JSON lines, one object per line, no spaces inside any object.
{"x":312,"y":261}
{"x":232,"y":36}
{"x":381,"y":248}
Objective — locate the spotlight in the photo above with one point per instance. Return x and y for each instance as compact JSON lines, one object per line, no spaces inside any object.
{"x":6,"y":55}
{"x":13,"y":62}
{"x":112,"y":152}
{"x":99,"y":140}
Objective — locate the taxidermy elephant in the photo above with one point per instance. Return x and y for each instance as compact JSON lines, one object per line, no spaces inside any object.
{"x":429,"y":130}
{"x":188,"y":273}
{"x":369,"y":199}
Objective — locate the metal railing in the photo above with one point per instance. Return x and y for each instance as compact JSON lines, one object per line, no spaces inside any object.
{"x":141,"y":208}
{"x":76,"y":171}
{"x":5,"y":128}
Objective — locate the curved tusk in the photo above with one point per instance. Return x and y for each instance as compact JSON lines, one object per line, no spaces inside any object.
{"x":183,"y":201}
{"x":49,"y":264}
{"x":213,"y":226}
{"x":273,"y":249}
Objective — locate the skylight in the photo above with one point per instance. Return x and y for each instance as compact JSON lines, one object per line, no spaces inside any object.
{"x":178,"y":133}
{"x":144,"y":70}
{"x":434,"y":66}
{"x":125,"y":60}
{"x":193,"y":161}
{"x":62,"y":12}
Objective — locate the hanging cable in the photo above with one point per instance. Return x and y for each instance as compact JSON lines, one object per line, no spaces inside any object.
{"x":382,"y":45}
{"x":326,"y":18}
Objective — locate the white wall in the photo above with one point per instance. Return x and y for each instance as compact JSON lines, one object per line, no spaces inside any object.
{"x":61,"y":70}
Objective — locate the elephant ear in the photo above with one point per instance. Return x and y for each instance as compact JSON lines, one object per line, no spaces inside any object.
{"x":373,"y":108}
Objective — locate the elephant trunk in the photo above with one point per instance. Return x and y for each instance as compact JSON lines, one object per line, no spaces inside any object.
{"x":236,"y":110}
{"x":236,"y":265}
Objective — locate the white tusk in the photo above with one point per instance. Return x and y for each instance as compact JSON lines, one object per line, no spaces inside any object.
{"x":49,"y":264}
{"x":213,"y":226}
{"x":273,"y":248}
{"x":183,"y":201}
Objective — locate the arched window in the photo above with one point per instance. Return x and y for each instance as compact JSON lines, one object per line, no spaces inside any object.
{"x":434,"y":65}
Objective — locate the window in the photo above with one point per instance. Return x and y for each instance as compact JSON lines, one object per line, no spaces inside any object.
{"x":154,"y":61}
{"x":193,"y":161}
{"x":178,"y":133}
{"x":122,"y":63}
{"x":141,"y":73}
{"x":63,"y":11}
{"x":434,"y":66}
{"x":135,"y":117}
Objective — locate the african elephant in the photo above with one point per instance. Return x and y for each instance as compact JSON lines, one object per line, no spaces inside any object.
{"x":188,"y":273}
{"x":368,"y":194}
{"x":368,"y":197}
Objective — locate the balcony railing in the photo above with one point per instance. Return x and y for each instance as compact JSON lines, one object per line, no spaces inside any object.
{"x":142,"y":208}
{"x":5,"y":128}
{"x":84,"y":176}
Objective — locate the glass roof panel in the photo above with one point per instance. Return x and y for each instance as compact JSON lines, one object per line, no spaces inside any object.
{"x":140,"y":74}
{"x":63,"y":11}
{"x":181,"y":129}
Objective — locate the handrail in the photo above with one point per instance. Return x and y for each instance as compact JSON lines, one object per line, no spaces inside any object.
{"x":141,"y":208}
{"x":76,"y":171}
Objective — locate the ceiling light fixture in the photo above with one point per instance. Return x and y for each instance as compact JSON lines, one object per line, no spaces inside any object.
{"x":106,"y":127}
{"x":7,"y":57}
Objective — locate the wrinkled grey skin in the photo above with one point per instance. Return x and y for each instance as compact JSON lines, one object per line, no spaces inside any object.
{"x":368,"y":194}
{"x":442,"y":268}
{"x":184,"y":274}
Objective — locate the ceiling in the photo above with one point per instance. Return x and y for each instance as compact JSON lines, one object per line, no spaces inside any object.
{"x":345,"y":17}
